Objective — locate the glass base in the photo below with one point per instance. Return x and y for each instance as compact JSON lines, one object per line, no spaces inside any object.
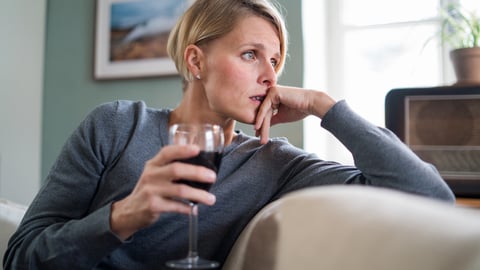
{"x":192,"y":263}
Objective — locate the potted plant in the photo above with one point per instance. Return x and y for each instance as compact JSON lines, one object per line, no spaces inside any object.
{"x":461,"y":31}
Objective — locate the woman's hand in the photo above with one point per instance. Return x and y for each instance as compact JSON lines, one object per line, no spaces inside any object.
{"x":156,"y":192}
{"x":288,"y":104}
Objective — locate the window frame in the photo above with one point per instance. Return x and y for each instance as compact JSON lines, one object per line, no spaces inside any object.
{"x":323,"y":35}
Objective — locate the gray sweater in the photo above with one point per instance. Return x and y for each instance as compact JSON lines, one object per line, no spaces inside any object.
{"x":67,"y":224}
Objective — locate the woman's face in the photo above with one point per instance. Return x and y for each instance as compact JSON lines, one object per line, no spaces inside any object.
{"x":240,"y":68}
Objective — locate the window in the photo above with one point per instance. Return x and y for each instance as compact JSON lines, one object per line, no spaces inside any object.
{"x":359,"y":50}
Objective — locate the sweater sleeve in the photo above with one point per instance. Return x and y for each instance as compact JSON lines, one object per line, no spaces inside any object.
{"x":382,"y":159}
{"x":59,"y":229}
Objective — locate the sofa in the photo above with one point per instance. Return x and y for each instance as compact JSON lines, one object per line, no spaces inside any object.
{"x":10,"y":216}
{"x":361,"y":228}
{"x":344,"y":227}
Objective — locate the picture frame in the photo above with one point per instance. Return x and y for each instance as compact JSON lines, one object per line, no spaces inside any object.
{"x":131,"y":37}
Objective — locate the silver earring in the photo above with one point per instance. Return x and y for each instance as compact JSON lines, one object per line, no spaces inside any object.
{"x":198,"y":77}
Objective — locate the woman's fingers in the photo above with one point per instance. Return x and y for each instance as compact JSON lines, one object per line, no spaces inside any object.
{"x":185,"y":193}
{"x":163,"y":181}
{"x":285,"y":104}
{"x":158,"y":190}
{"x":269,"y":108}
{"x":264,"y":130}
{"x":136,"y":211}
{"x":162,"y":172}
{"x":194,"y":173}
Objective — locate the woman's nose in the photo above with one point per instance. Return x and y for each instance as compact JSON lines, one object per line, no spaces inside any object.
{"x":269,"y":75}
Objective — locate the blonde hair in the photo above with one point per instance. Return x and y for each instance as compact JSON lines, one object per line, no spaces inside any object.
{"x":207,"y":20}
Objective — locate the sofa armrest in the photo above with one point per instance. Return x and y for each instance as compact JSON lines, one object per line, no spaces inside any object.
{"x":357,"y":227}
{"x":11,"y":215}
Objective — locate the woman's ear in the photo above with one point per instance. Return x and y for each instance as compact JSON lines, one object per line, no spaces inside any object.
{"x":193,"y":58}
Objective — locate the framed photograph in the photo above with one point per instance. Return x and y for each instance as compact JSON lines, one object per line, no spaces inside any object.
{"x":131,"y":37}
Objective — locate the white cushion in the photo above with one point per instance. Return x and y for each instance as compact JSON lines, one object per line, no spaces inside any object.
{"x":358,"y":227}
{"x":10,"y":216}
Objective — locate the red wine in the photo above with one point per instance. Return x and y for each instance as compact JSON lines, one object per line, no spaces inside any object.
{"x":210,"y":160}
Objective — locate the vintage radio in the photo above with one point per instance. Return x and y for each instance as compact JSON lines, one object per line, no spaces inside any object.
{"x":442,"y":126}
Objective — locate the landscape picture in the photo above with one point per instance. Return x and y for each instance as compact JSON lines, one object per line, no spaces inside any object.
{"x":135,"y":32}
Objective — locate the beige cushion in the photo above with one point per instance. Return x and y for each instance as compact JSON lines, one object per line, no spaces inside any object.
{"x":10,"y":216}
{"x":357,"y":227}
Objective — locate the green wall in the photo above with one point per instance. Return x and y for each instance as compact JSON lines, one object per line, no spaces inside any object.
{"x":70,"y":91}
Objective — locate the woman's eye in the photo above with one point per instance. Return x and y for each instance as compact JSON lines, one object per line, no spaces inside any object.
{"x":274,"y":62}
{"x":250,"y":55}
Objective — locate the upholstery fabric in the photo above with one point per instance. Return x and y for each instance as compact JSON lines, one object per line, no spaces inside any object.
{"x":10,"y":216}
{"x":357,"y":227}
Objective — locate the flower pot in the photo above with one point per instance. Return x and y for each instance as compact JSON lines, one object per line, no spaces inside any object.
{"x":466,"y":64}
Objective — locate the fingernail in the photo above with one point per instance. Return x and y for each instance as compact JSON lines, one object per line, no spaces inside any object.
{"x":211,"y":175}
{"x":212,"y":198}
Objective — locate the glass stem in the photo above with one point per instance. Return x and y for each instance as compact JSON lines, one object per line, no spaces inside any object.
{"x":193,"y":232}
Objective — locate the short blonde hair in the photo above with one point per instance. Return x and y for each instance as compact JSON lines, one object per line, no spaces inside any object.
{"x":207,"y":20}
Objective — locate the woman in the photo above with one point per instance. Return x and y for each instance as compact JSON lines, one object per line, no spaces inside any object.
{"x":108,"y":202}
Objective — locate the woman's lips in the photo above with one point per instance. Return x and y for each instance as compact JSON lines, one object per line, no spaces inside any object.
{"x":258,"y":98}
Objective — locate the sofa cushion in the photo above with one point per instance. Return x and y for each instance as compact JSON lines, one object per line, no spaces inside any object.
{"x":358,"y":227}
{"x":10,"y":216}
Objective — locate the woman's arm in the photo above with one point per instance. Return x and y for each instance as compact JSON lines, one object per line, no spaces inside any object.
{"x":59,"y":229}
{"x":381,"y":158}
{"x":103,"y":188}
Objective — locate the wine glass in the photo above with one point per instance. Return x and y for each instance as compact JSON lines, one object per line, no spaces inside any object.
{"x":210,"y":139}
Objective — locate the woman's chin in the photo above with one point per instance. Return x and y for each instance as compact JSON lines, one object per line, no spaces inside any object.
{"x":246,"y":122}
{"x":244,"y":119}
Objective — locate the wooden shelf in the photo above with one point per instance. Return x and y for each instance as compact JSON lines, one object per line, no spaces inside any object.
{"x":469,"y":202}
